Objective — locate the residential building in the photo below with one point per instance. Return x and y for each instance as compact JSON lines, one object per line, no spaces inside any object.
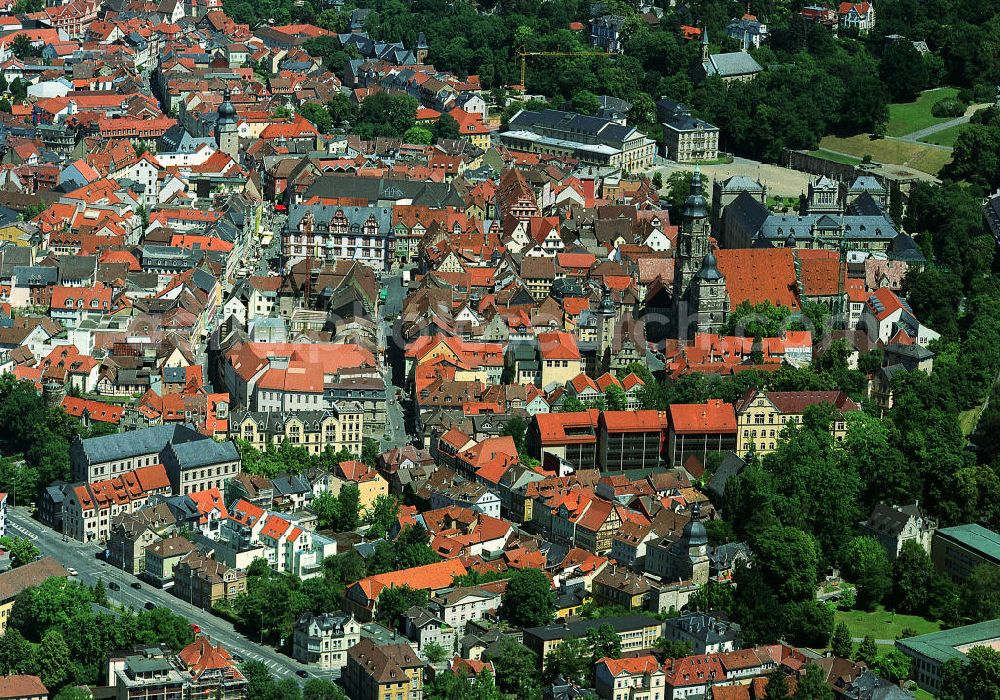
{"x":559,"y":357}
{"x":89,"y":510}
{"x":212,"y":672}
{"x":634,"y":678}
{"x":748,"y":30}
{"x":687,"y":139}
{"x":606,"y":33}
{"x":325,"y":639}
{"x":22,"y":687}
{"x":636,"y":632}
{"x":697,"y":430}
{"x":858,"y":16}
{"x":340,"y":428}
{"x":203,"y":581}
{"x":424,"y":627}
{"x":361,"y":598}
{"x":959,"y":550}
{"x":591,"y":140}
{"x":15,"y":581}
{"x":148,"y":676}
{"x":705,"y":634}
{"x":894,"y":526}
{"x":762,"y":415}
{"x":163,"y":556}
{"x":888,"y":318}
{"x":930,"y":652}
{"x":370,"y":483}
{"x":459,"y":606}
{"x":383,"y":672}
{"x":132,"y":532}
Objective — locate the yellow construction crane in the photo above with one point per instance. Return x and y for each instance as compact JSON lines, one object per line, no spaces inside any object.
{"x":523,"y":55}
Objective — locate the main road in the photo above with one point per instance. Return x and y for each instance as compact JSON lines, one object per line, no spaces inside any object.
{"x":90,"y":569}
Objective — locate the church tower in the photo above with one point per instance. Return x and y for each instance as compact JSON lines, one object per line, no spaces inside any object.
{"x":606,"y":314}
{"x":709,"y":298}
{"x":422,"y":49}
{"x":226,"y":136}
{"x":692,"y":241}
{"x":689,"y":555}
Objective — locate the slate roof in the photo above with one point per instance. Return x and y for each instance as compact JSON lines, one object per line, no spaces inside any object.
{"x":191,"y":455}
{"x":435,"y":194}
{"x":731,"y":64}
{"x":109,"y":448}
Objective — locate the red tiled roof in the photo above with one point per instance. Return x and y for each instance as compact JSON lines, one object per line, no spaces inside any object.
{"x":631,"y":421}
{"x":760,"y":274}
{"x":715,"y":416}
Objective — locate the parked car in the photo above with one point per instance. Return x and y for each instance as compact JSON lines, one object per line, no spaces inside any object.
{"x":71,"y":571}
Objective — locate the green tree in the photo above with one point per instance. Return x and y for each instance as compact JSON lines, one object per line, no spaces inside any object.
{"x":370,"y":452}
{"x":980,"y":594}
{"x":517,"y":668}
{"x":320,"y":689}
{"x":678,"y":187}
{"x":341,"y":109}
{"x":763,"y":320}
{"x":912,"y":574}
{"x":419,"y":135}
{"x":604,"y":642}
{"x":16,"y":654}
{"x":894,"y":665}
{"x":382,"y":515}
{"x":394,"y":601}
{"x":867,"y":650}
{"x":571,"y":404}
{"x":710,"y":596}
{"x":260,"y":682}
{"x":162,"y":625}
{"x":777,"y":685}
{"x":319,"y":115}
{"x":787,"y":559}
{"x":445,"y":127}
{"x":516,"y":427}
{"x":53,"y":660}
{"x":528,"y":600}
{"x":841,"y":644}
{"x":657,"y":181}
{"x":586,"y":102}
{"x":435,"y":653}
{"x":385,"y":114}
{"x":903,"y":71}
{"x":73,"y":693}
{"x":570,"y":660}
{"x":812,"y":684}
{"x":866,"y":563}
{"x":22,"y":550}
{"x":615,"y":398}
{"x":672,"y":649}
{"x":809,"y":623}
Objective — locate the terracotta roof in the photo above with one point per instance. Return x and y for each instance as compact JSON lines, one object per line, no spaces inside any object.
{"x":760,"y":274}
{"x":635,"y":665}
{"x":632,"y":421}
{"x":22,"y":687}
{"x":714,"y":416}
{"x":427,"y":577}
{"x":558,"y":345}
{"x":200,"y":656}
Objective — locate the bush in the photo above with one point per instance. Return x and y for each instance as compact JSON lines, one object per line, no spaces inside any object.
{"x":948,"y":107}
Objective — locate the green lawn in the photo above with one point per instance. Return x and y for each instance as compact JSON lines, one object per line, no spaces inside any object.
{"x":967,"y":420}
{"x":945,"y":137}
{"x":835,"y":157}
{"x":921,"y":694}
{"x":907,"y":117}
{"x":882,"y":624}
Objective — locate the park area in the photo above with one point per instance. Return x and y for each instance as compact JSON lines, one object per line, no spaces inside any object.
{"x":882,"y":624}
{"x":907,"y":117}
{"x":929,"y":159}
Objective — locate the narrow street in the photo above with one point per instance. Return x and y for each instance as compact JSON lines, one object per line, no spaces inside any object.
{"x":83,"y":558}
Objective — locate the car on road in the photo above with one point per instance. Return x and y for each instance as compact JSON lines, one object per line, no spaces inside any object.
{"x":136,"y":585}
{"x":302,"y":674}
{"x":150,"y":605}
{"x":114,"y":586}
{"x":195,"y":628}
{"x":71,"y":571}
